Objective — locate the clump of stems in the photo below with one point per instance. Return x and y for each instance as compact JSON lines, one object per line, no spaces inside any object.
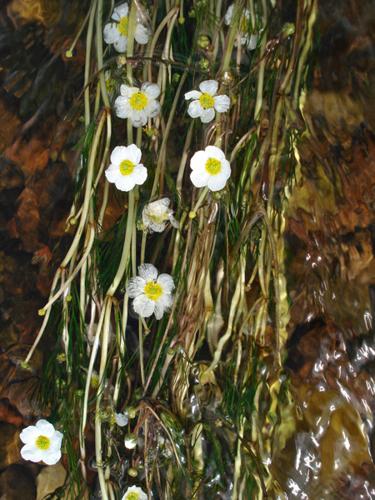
{"x":202,"y":387}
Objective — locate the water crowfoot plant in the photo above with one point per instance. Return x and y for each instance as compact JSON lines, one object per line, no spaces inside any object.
{"x":134,"y":493}
{"x":152,"y":293}
{"x":117,"y":32}
{"x":138,"y":104}
{"x":210,"y":168}
{"x":245,"y":37}
{"x":42,"y":443}
{"x":205,"y":102}
{"x":185,"y":406}
{"x":157,"y":214}
{"x":125,"y":171}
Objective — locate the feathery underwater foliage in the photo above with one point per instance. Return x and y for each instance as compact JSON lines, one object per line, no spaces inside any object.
{"x":202,"y":389}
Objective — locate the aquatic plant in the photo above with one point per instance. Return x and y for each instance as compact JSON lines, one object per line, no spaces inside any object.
{"x":202,"y":385}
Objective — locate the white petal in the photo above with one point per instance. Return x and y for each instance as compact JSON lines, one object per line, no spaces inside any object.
{"x":151,"y":90}
{"x":127,"y":91}
{"x":140,"y":174}
{"x":148,"y":272}
{"x":225,"y":168}
{"x":122,"y":107}
{"x":56,"y":440}
{"x":195,"y":109}
{"x":159,"y":310}
{"x":130,"y":441}
{"x":111,"y":33}
{"x":120,"y":11}
{"x":167,"y":300}
{"x":199,"y":177}
{"x":229,"y":14}
{"x":138,"y":118}
{"x":121,"y":43}
{"x":51,"y":457}
{"x":141,"y":34}
{"x":119,"y":154}
{"x":163,"y":201}
{"x":45,"y":428}
{"x":174,"y":222}
{"x":252,"y":41}
{"x":214,"y":152}
{"x":209,"y":87}
{"x":141,"y":494}
{"x":198,"y":159}
{"x":244,"y":39}
{"x":143,"y":306}
{"x":208,"y":115}
{"x":217,"y":182}
{"x":133,"y":153}
{"x":125,"y":183}
{"x":135,"y":287}
{"x":112,"y":173}
{"x":166,"y":281}
{"x":193,"y":94}
{"x":121,"y":419}
{"x":31,"y":452}
{"x":157,"y":228}
{"x":222,"y":103}
{"x":29,"y":434}
{"x":153,"y":108}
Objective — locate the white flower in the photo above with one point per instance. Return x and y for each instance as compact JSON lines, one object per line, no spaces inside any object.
{"x":206,"y":102}
{"x":130,"y":441}
{"x":134,"y":493}
{"x":152,"y":294}
{"x":138,"y":104}
{"x":42,"y":443}
{"x":210,"y":168}
{"x":250,"y":40}
{"x":125,"y":171}
{"x":116,"y":33}
{"x":155,"y":215}
{"x":121,"y":419}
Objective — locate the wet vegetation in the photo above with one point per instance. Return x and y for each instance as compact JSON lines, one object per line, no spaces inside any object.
{"x":258,"y":383}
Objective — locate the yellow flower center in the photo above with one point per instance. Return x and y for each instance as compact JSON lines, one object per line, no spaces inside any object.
{"x":122,"y":26}
{"x":158,"y":217}
{"x":206,"y":101}
{"x":138,"y":101}
{"x":133,"y":495}
{"x":213,"y":166}
{"x":153,"y":290}
{"x":126,"y":167}
{"x":43,"y":442}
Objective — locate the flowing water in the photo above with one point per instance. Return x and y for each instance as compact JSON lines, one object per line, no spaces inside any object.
{"x":325,"y":443}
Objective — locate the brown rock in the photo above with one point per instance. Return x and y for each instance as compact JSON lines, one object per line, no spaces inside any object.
{"x":49,"y":479}
{"x":17,"y":483}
